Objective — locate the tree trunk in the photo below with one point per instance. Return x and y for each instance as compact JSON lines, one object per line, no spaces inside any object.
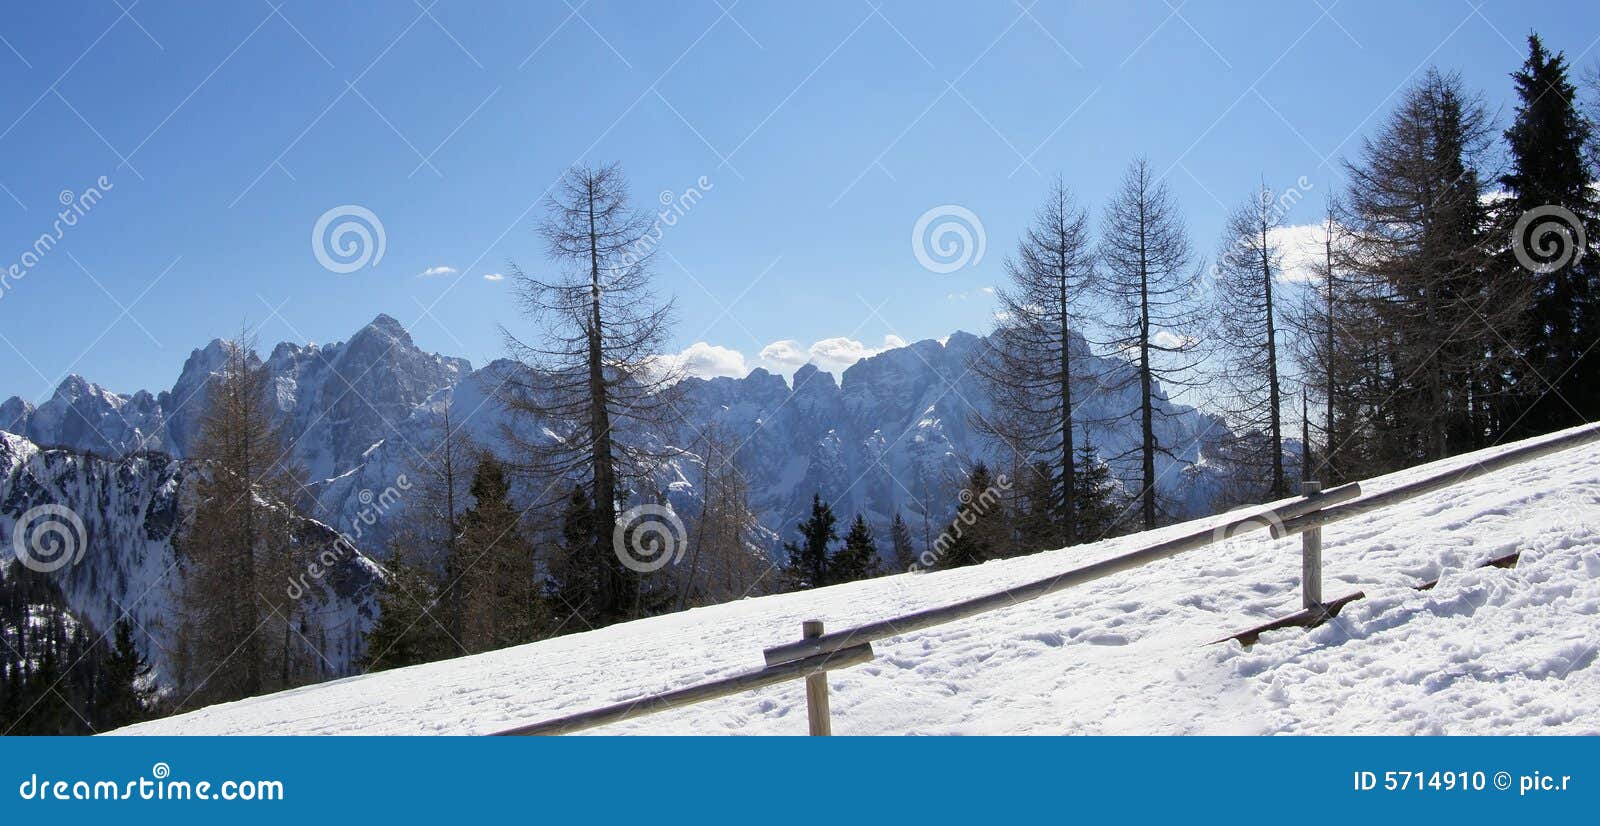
{"x":611,"y":596}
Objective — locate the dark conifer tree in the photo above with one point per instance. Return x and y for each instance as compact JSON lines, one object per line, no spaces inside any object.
{"x":1249,"y":263}
{"x":858,"y":557}
{"x":1030,"y":367}
{"x":807,"y":565}
{"x":1148,"y":275}
{"x":982,"y":527}
{"x":1101,"y":514}
{"x":1038,"y":526}
{"x":592,"y":373}
{"x":1557,"y":381}
{"x":125,"y":690}
{"x":500,"y":598}
{"x":409,"y":630}
{"x":905,"y":551}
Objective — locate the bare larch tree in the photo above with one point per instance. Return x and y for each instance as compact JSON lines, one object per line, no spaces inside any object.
{"x":1028,"y":368}
{"x":1147,"y":274}
{"x":1248,"y":264}
{"x":592,"y":386}
{"x":238,"y":546}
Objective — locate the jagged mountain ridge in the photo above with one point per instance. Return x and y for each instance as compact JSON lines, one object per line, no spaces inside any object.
{"x":893,"y":434}
{"x":334,"y":401}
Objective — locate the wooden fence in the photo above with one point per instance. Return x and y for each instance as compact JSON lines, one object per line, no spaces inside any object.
{"x":816,"y":653}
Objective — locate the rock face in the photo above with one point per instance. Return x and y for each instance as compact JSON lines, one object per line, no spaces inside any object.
{"x":119,"y":550}
{"x":334,"y":401}
{"x":892,"y":434}
{"x":895,"y":435}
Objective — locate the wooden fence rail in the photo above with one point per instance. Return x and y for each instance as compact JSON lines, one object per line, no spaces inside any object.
{"x":816,"y":653}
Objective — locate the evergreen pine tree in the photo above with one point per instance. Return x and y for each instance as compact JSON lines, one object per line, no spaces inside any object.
{"x":905,"y":552}
{"x":408,"y":630}
{"x":125,"y":688}
{"x":1547,"y":139}
{"x":496,"y":574}
{"x":570,"y":576}
{"x":858,"y":557}
{"x":1038,"y":516}
{"x":807,"y":565}
{"x":1100,"y":513}
{"x":982,"y":526}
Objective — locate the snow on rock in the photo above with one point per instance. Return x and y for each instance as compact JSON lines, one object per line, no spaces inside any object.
{"x":890,"y":434}
{"x":1488,"y":651}
{"x":131,"y":510}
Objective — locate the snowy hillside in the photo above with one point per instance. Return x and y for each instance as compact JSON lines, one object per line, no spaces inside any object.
{"x":1487,"y":651}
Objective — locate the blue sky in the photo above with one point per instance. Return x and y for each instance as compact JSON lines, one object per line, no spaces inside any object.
{"x":824,"y":131}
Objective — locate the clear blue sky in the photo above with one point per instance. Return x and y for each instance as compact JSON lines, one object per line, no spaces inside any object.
{"x":826,"y":129}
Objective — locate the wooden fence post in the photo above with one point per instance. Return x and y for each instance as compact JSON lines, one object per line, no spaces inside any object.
{"x":1311,"y":556}
{"x":816,"y":689}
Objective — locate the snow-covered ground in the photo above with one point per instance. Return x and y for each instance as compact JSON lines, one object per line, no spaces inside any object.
{"x":1486,"y":652}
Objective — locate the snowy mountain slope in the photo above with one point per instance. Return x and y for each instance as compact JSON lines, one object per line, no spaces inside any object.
{"x":1487,"y":651}
{"x":129,"y":510}
{"x":891,"y":434}
{"x":334,"y":401}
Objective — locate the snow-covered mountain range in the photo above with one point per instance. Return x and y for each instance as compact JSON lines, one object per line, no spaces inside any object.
{"x":118,"y":529}
{"x":893,"y":434}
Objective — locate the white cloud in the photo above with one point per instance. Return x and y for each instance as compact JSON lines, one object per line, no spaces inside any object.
{"x":494,"y":276}
{"x":783,"y":356}
{"x":1302,"y":247}
{"x":708,"y":360}
{"x":435,"y":272}
{"x":836,"y":354}
{"x":1171,"y":340}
